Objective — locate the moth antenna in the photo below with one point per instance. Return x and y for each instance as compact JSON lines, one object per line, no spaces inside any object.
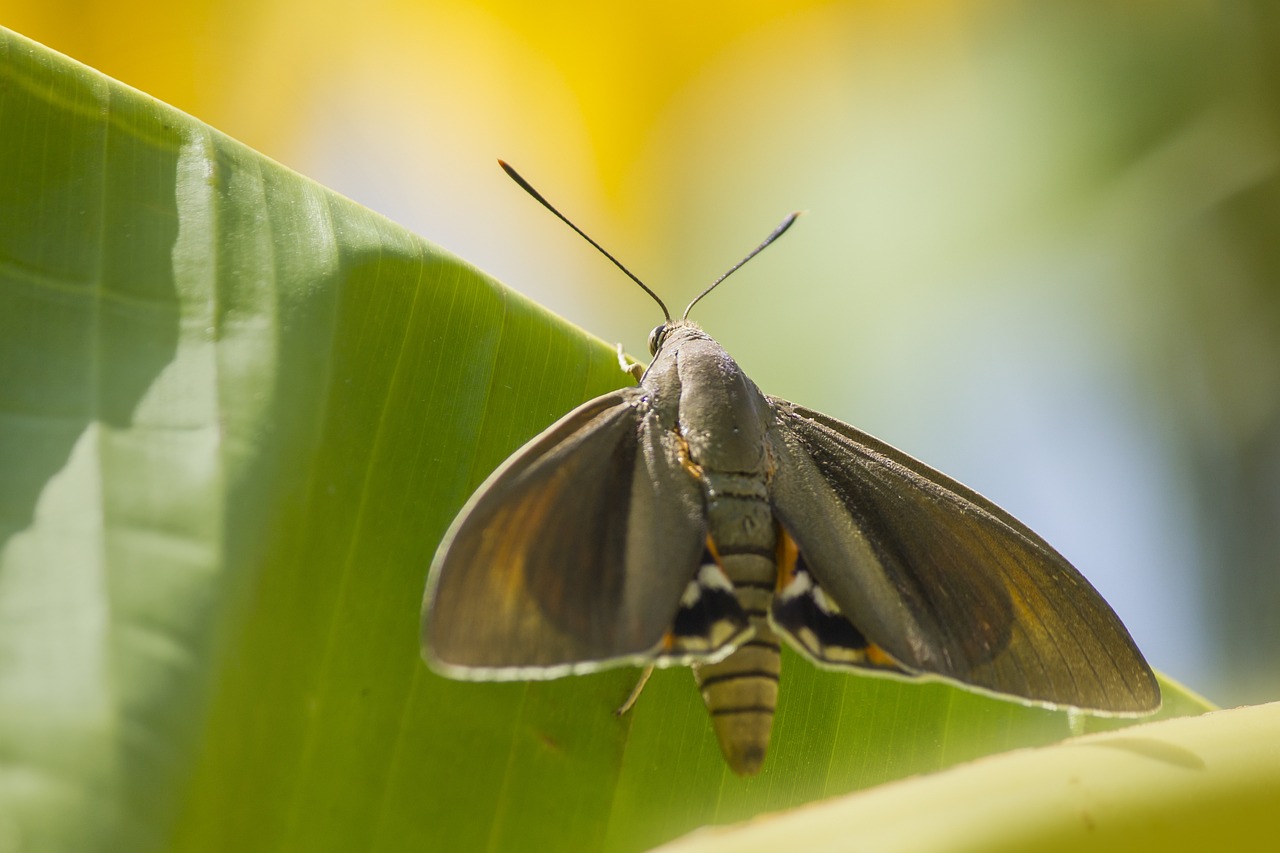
{"x":524,"y":185}
{"x":777,"y":232}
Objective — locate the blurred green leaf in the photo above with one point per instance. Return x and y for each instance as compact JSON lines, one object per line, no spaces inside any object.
{"x":237,"y":411}
{"x":1208,"y":783}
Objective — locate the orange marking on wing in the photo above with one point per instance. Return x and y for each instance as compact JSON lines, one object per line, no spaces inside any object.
{"x":787,"y":552}
{"x":877,"y":656}
{"x":509,"y":550}
{"x":715,"y":553}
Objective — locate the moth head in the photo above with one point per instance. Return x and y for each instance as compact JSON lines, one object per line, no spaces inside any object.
{"x":656,"y":337}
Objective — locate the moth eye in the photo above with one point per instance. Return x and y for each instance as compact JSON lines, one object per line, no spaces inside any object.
{"x":655,"y":338}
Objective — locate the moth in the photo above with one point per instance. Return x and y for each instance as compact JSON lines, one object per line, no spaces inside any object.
{"x":694,"y":520}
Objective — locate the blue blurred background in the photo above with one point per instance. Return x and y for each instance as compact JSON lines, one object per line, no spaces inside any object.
{"x":1041,"y":250}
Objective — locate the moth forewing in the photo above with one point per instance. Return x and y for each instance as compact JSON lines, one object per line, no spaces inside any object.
{"x":541,"y":575}
{"x":945,"y":581}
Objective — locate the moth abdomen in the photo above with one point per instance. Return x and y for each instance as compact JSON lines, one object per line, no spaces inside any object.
{"x":741,"y":691}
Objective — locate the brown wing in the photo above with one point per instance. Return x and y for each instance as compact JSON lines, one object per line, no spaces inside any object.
{"x":572,"y":556}
{"x":942,"y":579}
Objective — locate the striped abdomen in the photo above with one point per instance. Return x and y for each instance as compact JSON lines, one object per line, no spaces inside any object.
{"x":741,"y":691}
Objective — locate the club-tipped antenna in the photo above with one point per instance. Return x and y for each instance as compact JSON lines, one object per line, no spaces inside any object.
{"x":777,"y":232}
{"x":524,"y":185}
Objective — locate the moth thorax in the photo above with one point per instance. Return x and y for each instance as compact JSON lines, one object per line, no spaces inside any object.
{"x":741,"y":691}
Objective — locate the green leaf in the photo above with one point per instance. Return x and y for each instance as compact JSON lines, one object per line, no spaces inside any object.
{"x":1208,"y":783}
{"x":237,"y":412}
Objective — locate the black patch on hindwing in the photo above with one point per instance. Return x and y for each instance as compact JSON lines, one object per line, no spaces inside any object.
{"x":814,"y":625}
{"x":709,"y":619}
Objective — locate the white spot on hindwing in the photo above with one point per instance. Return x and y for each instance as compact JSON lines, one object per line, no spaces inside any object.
{"x":709,"y":577}
{"x":825,"y":604}
{"x":802,"y":585}
{"x":709,"y":618}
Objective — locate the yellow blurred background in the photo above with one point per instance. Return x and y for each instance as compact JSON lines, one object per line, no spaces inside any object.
{"x":1041,"y":249}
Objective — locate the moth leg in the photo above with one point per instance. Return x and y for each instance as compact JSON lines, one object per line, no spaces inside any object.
{"x":635,"y":691}
{"x":635,"y":368}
